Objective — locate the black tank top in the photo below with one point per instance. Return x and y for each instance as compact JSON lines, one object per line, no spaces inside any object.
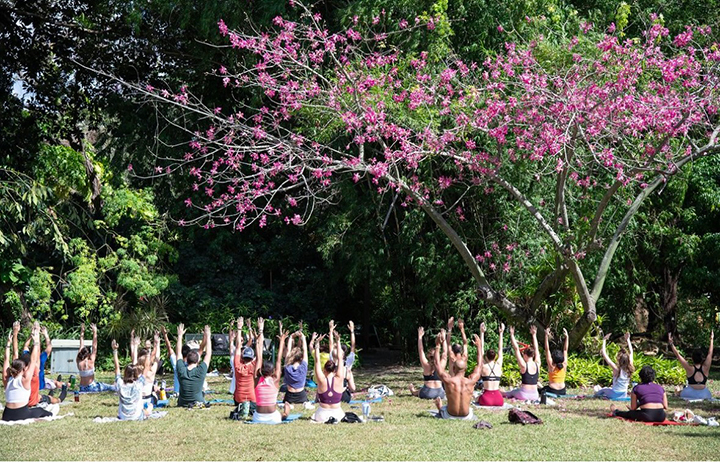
{"x":530,"y":379}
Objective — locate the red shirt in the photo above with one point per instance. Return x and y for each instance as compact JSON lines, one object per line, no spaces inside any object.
{"x":244,"y":380}
{"x":35,"y":389}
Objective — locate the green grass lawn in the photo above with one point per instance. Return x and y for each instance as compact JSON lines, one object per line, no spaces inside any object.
{"x":572,"y":430}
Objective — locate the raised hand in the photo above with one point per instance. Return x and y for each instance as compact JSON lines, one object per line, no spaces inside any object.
{"x":300,"y":326}
{"x":483,"y":329}
{"x":607,"y":337}
{"x":627,"y":336}
{"x":461,"y":324}
{"x":44,"y":330}
{"x":181,"y":330}
{"x":512,"y":331}
{"x":280,"y":327}
{"x":351,"y":326}
{"x":451,"y":323}
{"x":82,"y":328}
{"x":501,"y":329}
{"x":93,"y":328}
{"x":206,"y":331}
{"x":163,"y":330}
{"x":331,"y":324}
{"x":239,"y":323}
{"x":261,"y":324}
{"x":10,"y":337}
{"x":114,"y":345}
{"x":670,"y":339}
{"x":313,"y":339}
{"x":712,"y":336}
{"x":476,"y":340}
{"x":16,"y":327}
{"x":156,"y":337}
{"x":533,"y":330}
{"x":565,"y":333}
{"x":548,"y":334}
{"x":440,"y":338}
{"x":421,"y":331}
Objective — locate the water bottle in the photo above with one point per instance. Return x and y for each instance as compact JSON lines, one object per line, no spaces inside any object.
{"x":366,"y":410}
{"x":77,"y":396}
{"x":72,"y":382}
{"x":163,"y":394}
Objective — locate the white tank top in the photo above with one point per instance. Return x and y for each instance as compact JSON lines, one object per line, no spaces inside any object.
{"x":15,"y":392}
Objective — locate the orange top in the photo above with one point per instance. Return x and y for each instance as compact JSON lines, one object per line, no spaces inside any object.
{"x":244,"y":380}
{"x":557,"y":375}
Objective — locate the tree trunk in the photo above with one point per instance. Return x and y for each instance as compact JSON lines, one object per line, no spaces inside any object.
{"x":670,"y":299}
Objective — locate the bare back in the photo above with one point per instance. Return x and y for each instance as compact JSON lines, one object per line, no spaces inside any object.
{"x":459,"y":392}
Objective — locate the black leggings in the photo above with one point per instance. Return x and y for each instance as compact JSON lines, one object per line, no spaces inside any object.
{"x":547,"y":389}
{"x":24,"y":413}
{"x":643,"y":415}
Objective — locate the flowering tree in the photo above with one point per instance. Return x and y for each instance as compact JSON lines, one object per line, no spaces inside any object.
{"x":608,"y":123}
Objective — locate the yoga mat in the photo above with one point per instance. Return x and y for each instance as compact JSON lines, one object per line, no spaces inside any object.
{"x":290,"y":418}
{"x":654,"y":424}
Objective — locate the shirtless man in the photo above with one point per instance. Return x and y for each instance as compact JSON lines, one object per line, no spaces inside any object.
{"x":457,"y":352}
{"x":459,"y":390}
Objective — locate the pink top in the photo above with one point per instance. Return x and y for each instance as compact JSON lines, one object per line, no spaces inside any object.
{"x":266,"y":392}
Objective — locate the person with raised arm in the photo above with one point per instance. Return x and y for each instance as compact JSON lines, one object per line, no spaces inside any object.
{"x":296,"y":367}
{"x":192,"y":376}
{"x":432,"y":385}
{"x":86,"y":364}
{"x":17,"y":377}
{"x":267,"y":388}
{"x":246,"y":366}
{"x":130,"y":388}
{"x":557,"y":365}
{"x":622,"y":370}
{"x":697,"y":373}
{"x":173,"y":358}
{"x":231,"y":342}
{"x":456,"y":351}
{"x":330,"y":386}
{"x":39,"y":380}
{"x":458,"y":388}
{"x":491,"y":370}
{"x":149,"y":362}
{"x":529,"y":364}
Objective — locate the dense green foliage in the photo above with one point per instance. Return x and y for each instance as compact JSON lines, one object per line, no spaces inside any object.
{"x":83,"y":239}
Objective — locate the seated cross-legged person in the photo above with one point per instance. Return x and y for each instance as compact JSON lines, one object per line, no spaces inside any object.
{"x":622,"y":371}
{"x":432,"y":385}
{"x":491,"y":370}
{"x":86,"y":364}
{"x":529,"y":363}
{"x":330,"y":386}
{"x":648,"y":400}
{"x":266,"y":391}
{"x":557,"y":365}
{"x":246,"y":367}
{"x":296,"y":367}
{"x":458,"y":388}
{"x":697,"y":373}
{"x":191,"y":372}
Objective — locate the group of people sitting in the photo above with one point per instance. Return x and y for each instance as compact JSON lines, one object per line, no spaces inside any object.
{"x":648,"y":400}
{"x":23,"y":377}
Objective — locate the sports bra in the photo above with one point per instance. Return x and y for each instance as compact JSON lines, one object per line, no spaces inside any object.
{"x":433,"y":376}
{"x":530,"y":379}
{"x":15,"y":392}
{"x":492,"y":377}
{"x":87,"y":373}
{"x":330,"y":396}
{"x":691,"y":380}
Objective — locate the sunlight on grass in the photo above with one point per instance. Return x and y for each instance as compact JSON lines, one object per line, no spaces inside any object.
{"x":572,"y":430}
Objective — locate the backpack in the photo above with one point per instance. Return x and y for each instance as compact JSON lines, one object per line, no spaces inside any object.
{"x":351,"y":417}
{"x":517,"y":415}
{"x":220,"y":342}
